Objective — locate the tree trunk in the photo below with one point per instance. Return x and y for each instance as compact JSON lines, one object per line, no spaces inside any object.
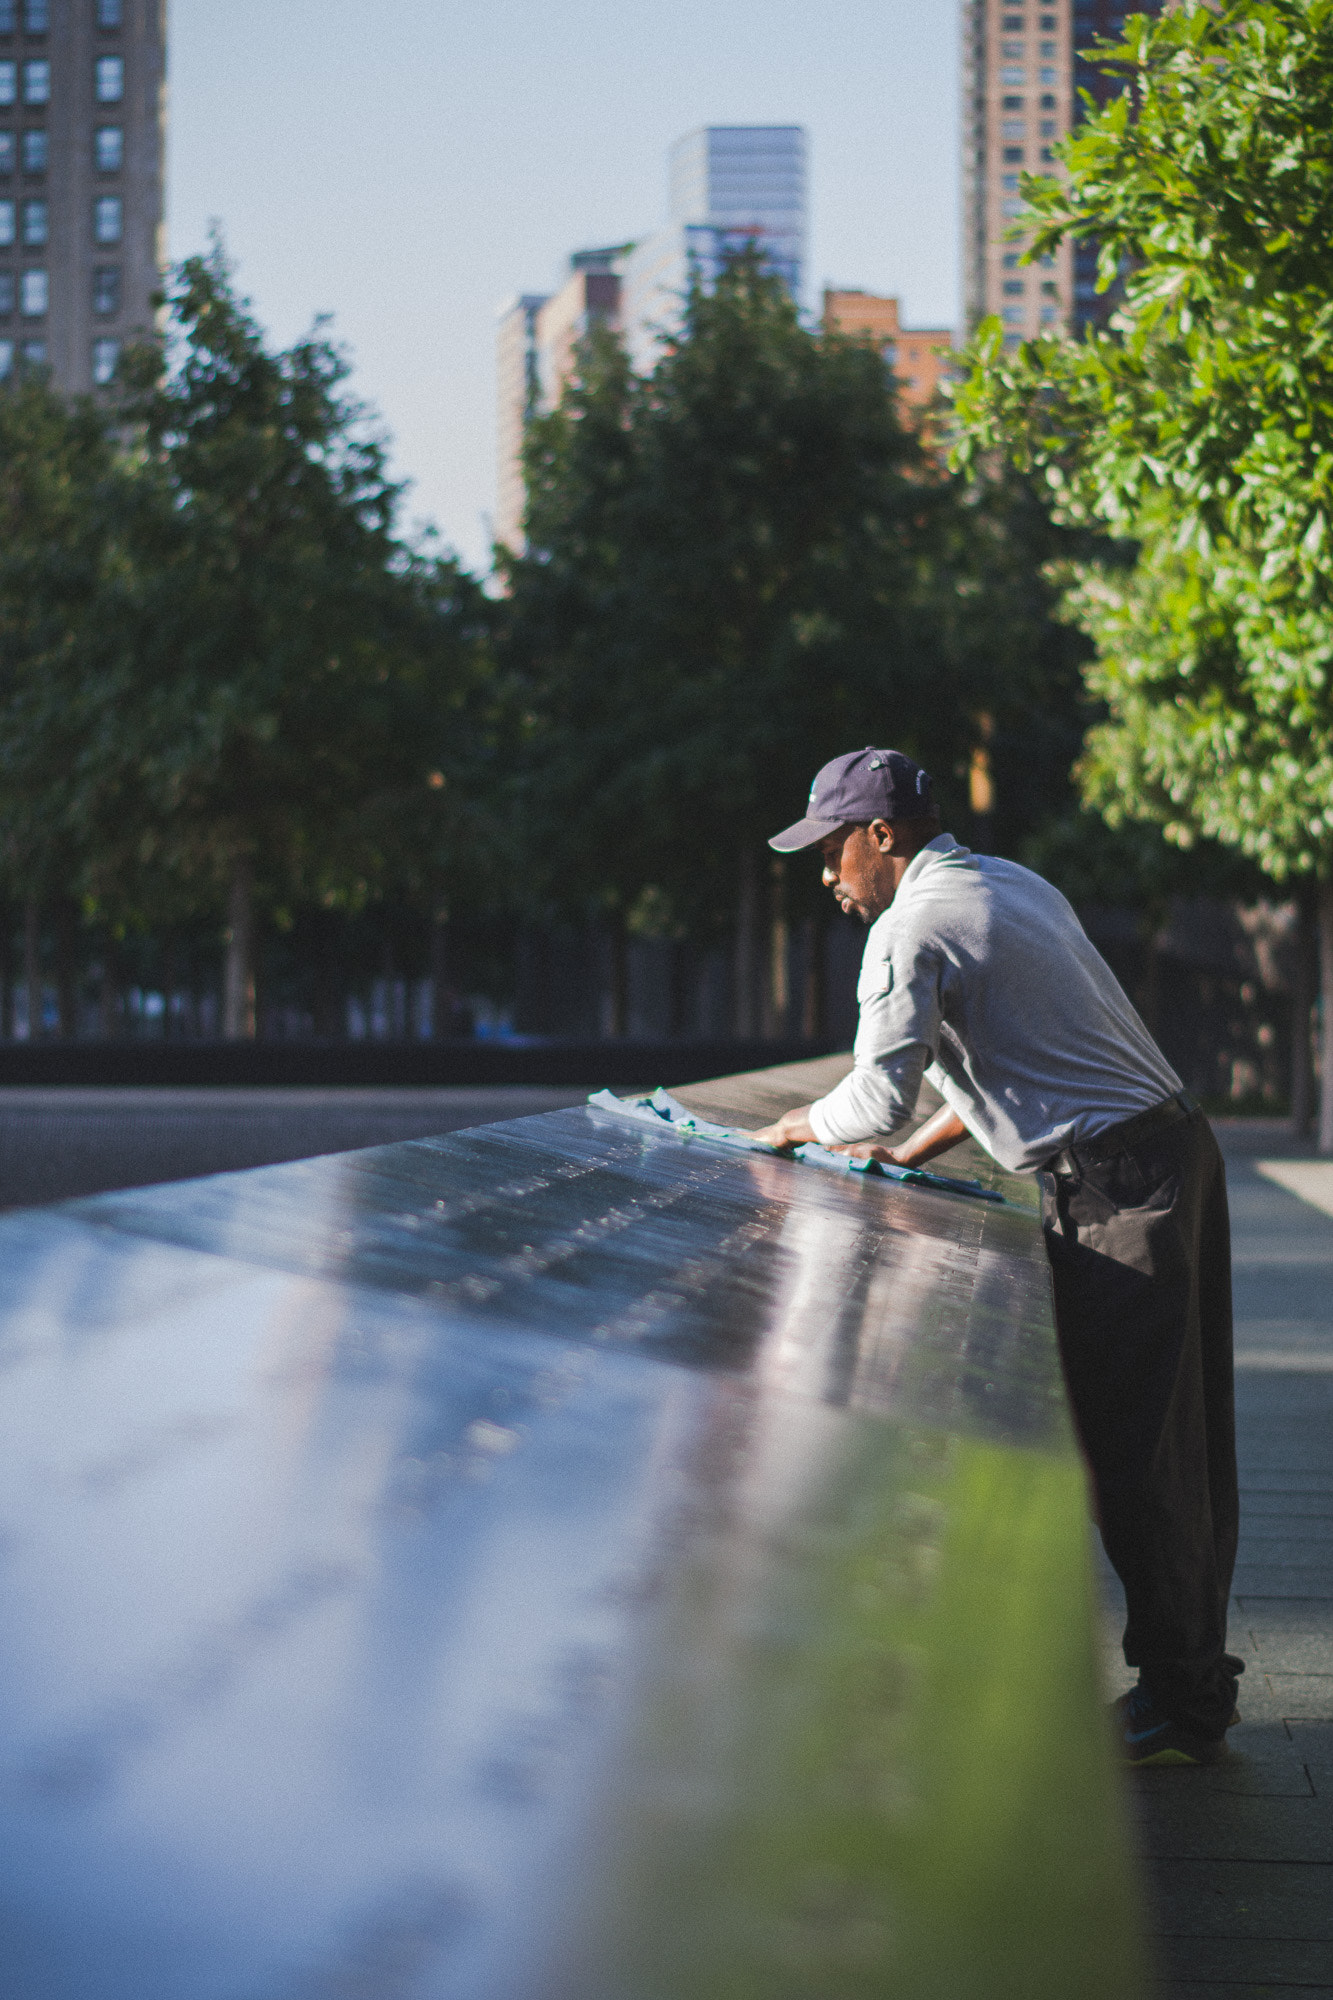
{"x":169,"y":977}
{"x":618,"y":1008}
{"x":682,"y":979}
{"x":32,"y":965}
{"x":777,"y":995}
{"x":747,"y":945}
{"x":1150,"y":984}
{"x":109,"y":1006}
{"x":67,"y":981}
{"x":1326,"y":1017}
{"x":238,"y":975}
{"x":6,"y":972}
{"x":1302,"y":1008}
{"x":441,"y":993}
{"x":812,"y":1011}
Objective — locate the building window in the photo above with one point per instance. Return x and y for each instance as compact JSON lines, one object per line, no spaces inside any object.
{"x":36,"y":16}
{"x":109,"y":149}
{"x":9,"y":82}
{"x":35,"y":151}
{"x":34,"y":354}
{"x":1048,"y":51}
{"x":1011,"y":260}
{"x":1013,"y":156}
{"x":110,"y":76}
{"x":37,"y":82}
{"x":1048,"y":128}
{"x":110,"y":13}
{"x":1048,"y":103}
{"x":106,"y":359}
{"x":6,"y":358}
{"x":8,"y":17}
{"x":8,"y":212}
{"x":1012,"y":51}
{"x":1012,"y":24}
{"x":8,"y":294}
{"x":8,"y":152}
{"x":1048,"y":24}
{"x":107,"y":218}
{"x":1048,"y":155}
{"x":1049,"y":76}
{"x":1009,"y":182}
{"x":1013,"y":315}
{"x":35,"y":225}
{"x":1014,"y":128}
{"x":34,"y":293}
{"x":106,"y":290}
{"x":1013,"y":288}
{"x":1011,"y":76}
{"x":1013,"y":103}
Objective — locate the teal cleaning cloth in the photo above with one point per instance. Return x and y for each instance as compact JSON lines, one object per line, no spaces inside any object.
{"x":663,"y":1109}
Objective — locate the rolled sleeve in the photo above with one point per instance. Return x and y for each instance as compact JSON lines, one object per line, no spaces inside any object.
{"x":896,"y":1037}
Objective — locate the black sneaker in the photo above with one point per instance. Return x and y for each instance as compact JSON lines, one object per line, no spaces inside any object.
{"x":1149,"y":1737}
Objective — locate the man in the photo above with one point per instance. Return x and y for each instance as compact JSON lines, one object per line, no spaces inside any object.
{"x":978,"y":976}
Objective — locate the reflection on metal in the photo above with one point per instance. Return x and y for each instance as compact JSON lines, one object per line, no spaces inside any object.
{"x":548,"y":1560}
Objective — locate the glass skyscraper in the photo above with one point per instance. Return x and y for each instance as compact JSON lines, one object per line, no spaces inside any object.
{"x":729,"y":185}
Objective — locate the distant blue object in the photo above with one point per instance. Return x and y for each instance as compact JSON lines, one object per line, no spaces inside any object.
{"x":663,"y":1109}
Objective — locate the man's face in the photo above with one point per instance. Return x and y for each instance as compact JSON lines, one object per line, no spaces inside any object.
{"x":859,"y":869}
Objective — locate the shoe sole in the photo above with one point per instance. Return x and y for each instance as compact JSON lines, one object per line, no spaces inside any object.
{"x":1171,"y":1757}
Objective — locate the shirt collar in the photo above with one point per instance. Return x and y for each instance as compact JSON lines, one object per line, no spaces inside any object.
{"x":936,"y":850}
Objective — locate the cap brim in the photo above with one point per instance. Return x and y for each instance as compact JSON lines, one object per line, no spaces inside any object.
{"x":805,"y":833}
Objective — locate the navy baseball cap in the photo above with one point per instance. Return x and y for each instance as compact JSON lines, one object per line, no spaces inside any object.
{"x":852,"y":790}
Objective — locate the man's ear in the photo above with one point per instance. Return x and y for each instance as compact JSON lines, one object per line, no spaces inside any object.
{"x":881,"y":832}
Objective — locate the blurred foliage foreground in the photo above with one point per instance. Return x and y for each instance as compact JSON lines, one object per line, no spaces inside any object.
{"x":238,"y":704}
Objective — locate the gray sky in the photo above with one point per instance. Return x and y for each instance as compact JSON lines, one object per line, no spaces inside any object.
{"x":407,"y":165}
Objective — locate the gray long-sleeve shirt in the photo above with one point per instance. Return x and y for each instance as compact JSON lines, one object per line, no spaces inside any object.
{"x":980,"y":977}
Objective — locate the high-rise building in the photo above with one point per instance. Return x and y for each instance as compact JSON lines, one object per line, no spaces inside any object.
{"x":1096,"y":20}
{"x":516,"y":384}
{"x":82,"y":111}
{"x":589,"y":296}
{"x":536,"y":348}
{"x":729,"y":185}
{"x":918,"y":355}
{"x":1023,"y":67}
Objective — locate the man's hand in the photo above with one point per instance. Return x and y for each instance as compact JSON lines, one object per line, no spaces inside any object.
{"x":938,"y":1133}
{"x":792,"y":1129}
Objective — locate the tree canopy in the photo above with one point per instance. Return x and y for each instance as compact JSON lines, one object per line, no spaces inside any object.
{"x":226,"y":683}
{"x":737,"y":566}
{"x":1197,"y":429}
{"x":1200,"y":424}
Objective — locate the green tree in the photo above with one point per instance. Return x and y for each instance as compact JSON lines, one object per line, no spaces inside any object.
{"x":67,"y":498}
{"x":293,"y":715}
{"x":1200,"y":429}
{"x":731,"y":575}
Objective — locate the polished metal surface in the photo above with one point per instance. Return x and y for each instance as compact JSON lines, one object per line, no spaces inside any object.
{"x":552,"y":1559}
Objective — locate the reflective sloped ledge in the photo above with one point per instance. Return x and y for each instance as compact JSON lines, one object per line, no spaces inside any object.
{"x":552,"y":1560}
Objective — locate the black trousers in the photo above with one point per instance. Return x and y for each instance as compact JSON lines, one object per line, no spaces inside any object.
{"x":1140,"y":1250}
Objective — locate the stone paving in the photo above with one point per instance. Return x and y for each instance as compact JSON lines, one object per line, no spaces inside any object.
{"x":1239,"y":1858}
